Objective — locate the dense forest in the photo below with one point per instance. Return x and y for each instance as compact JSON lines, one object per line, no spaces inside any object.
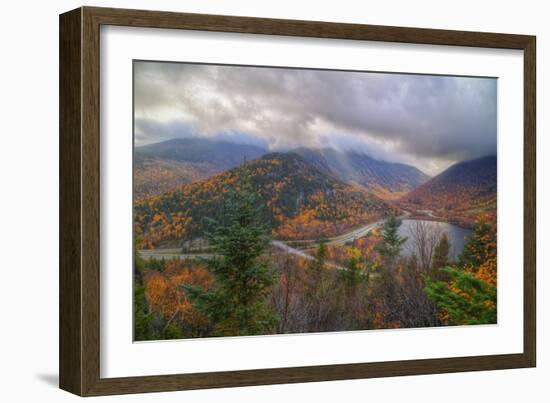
{"x":459,"y":194}
{"x":277,"y":200}
{"x":246,"y":286}
{"x":299,"y":202}
{"x":164,"y":166}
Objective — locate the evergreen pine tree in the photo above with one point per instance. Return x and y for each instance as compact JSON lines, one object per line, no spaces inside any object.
{"x":468,"y":293}
{"x":440,"y":257}
{"x":237,"y":304}
{"x":316,"y":274}
{"x":317,"y":265}
{"x":466,"y":300}
{"x":476,"y":250}
{"x":390,"y":248}
{"x":352,"y":273}
{"x":143,"y":318}
{"x":322,"y":293}
{"x":387,"y":292}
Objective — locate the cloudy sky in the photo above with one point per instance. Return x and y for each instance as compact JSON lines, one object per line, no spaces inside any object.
{"x":427,"y":121}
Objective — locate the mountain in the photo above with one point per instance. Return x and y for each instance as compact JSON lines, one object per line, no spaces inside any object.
{"x":300,"y":202}
{"x":385,"y":179}
{"x":200,"y":150}
{"x":461,"y":192}
{"x":162,"y":166}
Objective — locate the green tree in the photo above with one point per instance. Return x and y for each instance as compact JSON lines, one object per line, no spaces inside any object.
{"x":387,"y":294}
{"x":323,"y":293}
{"x":320,"y":255}
{"x":476,"y":250}
{"x":352,"y":272}
{"x":237,"y":304}
{"x":317,"y":272}
{"x":468,"y":293}
{"x":355,"y":277}
{"x":465,"y":299}
{"x":143,"y":318}
{"x":390,"y":248}
{"x":440,"y":257}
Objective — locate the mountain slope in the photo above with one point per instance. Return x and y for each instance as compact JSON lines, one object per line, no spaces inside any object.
{"x":385,"y":179}
{"x":201,"y":150}
{"x":300,"y":202}
{"x":162,"y":166}
{"x":461,"y":192}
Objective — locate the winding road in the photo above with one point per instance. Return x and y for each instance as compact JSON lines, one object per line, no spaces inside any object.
{"x":175,"y":253}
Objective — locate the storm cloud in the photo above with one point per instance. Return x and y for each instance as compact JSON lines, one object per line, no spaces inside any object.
{"x":428,"y":121}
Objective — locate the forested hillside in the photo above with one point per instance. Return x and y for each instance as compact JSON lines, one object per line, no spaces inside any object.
{"x":160,"y":167}
{"x":460,"y":193}
{"x":385,"y":179}
{"x":246,"y":287}
{"x":299,"y":202}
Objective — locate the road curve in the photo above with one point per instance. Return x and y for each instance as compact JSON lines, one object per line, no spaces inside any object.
{"x":360,"y":232}
{"x":289,"y":249}
{"x":337,"y":240}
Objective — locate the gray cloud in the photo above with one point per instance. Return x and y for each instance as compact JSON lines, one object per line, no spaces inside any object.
{"x":429,"y":121}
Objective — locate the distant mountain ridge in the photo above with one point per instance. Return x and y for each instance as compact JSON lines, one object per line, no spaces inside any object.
{"x":461,"y":192}
{"x":162,"y":166}
{"x":222,"y":153}
{"x":385,"y":179}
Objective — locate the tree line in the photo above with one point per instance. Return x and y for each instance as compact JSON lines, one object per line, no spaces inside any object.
{"x":246,"y":288}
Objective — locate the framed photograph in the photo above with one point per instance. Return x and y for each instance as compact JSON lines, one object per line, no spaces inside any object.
{"x":249,"y":201}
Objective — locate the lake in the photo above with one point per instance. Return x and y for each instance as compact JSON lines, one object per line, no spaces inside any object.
{"x":455,"y":234}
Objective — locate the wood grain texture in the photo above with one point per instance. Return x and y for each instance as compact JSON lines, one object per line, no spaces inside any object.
{"x":80,"y":200}
{"x":90,"y":202}
{"x":530,"y":202}
{"x":316,"y":29}
{"x":305,"y":374}
{"x":70,"y":106}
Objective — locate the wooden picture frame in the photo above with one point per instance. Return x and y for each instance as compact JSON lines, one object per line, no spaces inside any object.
{"x":79,"y":346}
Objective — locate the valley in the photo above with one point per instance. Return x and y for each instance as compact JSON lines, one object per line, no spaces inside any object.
{"x":190,"y":160}
{"x":459,"y":194}
{"x":340,"y":225}
{"x":302,"y":252}
{"x":307,"y":194}
{"x":298,"y":202}
{"x":278,"y":200}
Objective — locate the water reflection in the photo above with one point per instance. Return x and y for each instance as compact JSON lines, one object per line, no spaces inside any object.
{"x":456,"y":235}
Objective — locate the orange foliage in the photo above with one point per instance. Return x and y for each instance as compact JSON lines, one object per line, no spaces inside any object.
{"x":167,"y":298}
{"x":487,"y":270}
{"x":299,"y":205}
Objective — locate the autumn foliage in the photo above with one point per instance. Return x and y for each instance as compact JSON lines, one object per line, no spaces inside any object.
{"x":469,"y":295}
{"x":460,"y":194}
{"x":299,"y":202}
{"x":239,"y":282}
{"x":167,"y":300}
